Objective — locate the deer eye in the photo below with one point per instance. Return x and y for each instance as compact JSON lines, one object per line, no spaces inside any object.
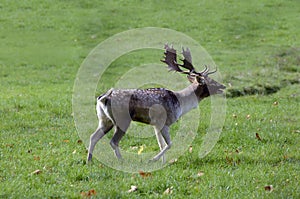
{"x":200,"y":80}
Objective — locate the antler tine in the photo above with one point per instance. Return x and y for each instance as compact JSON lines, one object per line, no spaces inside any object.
{"x":187,"y":54}
{"x":187,"y":61}
{"x":205,"y":70}
{"x":212,"y":71}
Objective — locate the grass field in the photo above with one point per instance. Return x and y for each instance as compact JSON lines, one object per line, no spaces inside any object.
{"x":256,"y":46}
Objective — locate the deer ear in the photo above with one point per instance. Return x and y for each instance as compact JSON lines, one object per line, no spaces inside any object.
{"x":200,"y":80}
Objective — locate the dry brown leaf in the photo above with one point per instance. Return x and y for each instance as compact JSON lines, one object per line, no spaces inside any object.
{"x":229,"y":159}
{"x":9,"y":145}
{"x":36,"y":172}
{"x":269,"y":188}
{"x":145,"y":174}
{"x":133,"y":188}
{"x":257,"y":136}
{"x":90,"y":193}
{"x":168,"y":191}
{"x":36,"y":157}
{"x":66,"y":141}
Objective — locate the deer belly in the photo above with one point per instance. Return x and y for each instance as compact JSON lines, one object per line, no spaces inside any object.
{"x":140,"y":115}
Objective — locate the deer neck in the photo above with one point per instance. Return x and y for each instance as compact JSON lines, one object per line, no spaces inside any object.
{"x":190,"y":96}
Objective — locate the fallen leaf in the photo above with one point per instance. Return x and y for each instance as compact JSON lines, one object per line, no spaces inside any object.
{"x":66,"y":141}
{"x":257,"y":136}
{"x":190,"y":149}
{"x":93,"y":36}
{"x":296,"y":131}
{"x":83,"y":194}
{"x":134,"y":147}
{"x":173,"y":161}
{"x":36,"y":157}
{"x":269,"y":188}
{"x":89,"y":193}
{"x":229,"y":159}
{"x":145,"y":174}
{"x":168,"y":191}
{"x":36,"y":172}
{"x":200,"y":173}
{"x":100,"y":165}
{"x":92,"y":192}
{"x":133,"y":188}
{"x":47,"y":168}
{"x":141,"y":150}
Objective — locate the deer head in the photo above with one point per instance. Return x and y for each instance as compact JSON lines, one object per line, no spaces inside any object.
{"x":201,"y":79}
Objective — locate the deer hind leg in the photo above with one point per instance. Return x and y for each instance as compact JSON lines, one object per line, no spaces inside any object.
{"x":105,"y":125}
{"x":161,"y":142}
{"x":114,"y":143}
{"x":166,"y":138}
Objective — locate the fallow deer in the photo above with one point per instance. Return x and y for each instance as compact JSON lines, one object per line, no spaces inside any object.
{"x":158,"y":107}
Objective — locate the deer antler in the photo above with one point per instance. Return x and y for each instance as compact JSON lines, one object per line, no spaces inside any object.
{"x":171,"y":60}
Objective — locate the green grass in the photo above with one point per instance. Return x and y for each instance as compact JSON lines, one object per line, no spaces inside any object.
{"x":256,"y":46}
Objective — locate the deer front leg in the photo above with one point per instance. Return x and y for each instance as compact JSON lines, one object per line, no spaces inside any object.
{"x":166,"y":138}
{"x":103,"y":128}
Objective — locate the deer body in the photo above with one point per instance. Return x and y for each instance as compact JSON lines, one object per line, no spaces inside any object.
{"x":141,"y":104}
{"x":158,"y":107}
